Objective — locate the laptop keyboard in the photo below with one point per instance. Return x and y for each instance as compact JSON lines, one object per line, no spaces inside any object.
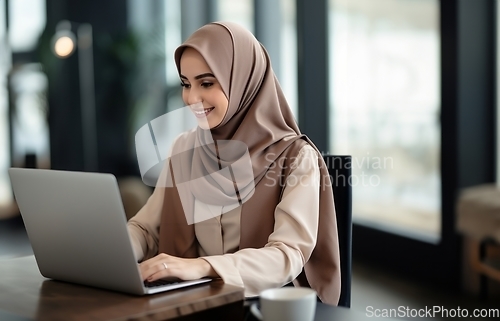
{"x":161,"y":282}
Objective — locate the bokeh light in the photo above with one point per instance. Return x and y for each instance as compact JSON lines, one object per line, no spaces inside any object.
{"x":64,"y":46}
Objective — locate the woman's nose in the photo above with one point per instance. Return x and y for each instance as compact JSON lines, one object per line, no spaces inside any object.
{"x":192,"y":97}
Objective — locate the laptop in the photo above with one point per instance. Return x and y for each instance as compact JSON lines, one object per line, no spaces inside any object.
{"x":77,"y":228}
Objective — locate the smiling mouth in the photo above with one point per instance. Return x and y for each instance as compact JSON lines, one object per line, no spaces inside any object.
{"x":203,"y":113}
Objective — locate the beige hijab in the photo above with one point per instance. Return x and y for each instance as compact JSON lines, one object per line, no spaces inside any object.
{"x":258,"y":117}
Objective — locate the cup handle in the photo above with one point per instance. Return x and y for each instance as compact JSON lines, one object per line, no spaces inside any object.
{"x":255,"y":311}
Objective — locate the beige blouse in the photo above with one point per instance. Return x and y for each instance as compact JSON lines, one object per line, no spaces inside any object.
{"x":279,"y":262}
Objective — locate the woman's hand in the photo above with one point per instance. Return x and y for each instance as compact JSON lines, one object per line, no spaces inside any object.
{"x":164,"y":265}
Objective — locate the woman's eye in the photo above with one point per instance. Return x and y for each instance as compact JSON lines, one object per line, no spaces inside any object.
{"x":206,"y":84}
{"x":185,"y":85}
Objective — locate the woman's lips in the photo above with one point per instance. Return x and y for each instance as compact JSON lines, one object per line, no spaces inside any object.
{"x":203,"y":113}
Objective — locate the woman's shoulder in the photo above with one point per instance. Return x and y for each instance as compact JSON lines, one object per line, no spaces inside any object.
{"x":304,"y":155}
{"x":301,"y":148}
{"x":308,"y":150}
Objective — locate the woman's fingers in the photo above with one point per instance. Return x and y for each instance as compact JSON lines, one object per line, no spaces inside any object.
{"x":163,"y":265}
{"x":162,"y":271}
{"x":155,"y":268}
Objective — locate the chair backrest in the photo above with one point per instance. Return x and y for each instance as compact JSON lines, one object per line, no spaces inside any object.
{"x":339,"y":168}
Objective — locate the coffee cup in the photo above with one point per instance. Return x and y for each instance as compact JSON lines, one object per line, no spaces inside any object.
{"x":286,"y":304}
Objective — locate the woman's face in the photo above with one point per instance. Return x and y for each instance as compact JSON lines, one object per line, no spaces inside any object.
{"x":199,"y":85}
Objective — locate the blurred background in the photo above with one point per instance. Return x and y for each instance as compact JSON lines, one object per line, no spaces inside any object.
{"x":407,"y":87}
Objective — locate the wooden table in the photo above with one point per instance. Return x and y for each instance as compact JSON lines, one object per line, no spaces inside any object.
{"x":26,"y":295}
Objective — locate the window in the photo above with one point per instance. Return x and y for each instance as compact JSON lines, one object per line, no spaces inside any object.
{"x":26,"y":23}
{"x":498,"y":91}
{"x":5,"y":189}
{"x":384,"y":109}
{"x":288,"y":77}
{"x":240,"y":11}
{"x":26,"y":89}
{"x":30,"y":132}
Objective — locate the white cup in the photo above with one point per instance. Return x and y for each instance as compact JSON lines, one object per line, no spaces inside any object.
{"x":286,"y":304}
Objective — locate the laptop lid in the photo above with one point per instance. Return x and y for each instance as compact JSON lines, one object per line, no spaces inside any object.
{"x":77,"y":228}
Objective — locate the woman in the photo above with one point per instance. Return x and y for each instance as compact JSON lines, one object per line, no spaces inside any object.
{"x":283,"y":226}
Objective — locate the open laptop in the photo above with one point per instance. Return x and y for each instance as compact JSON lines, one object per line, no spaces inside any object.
{"x":76,"y":224}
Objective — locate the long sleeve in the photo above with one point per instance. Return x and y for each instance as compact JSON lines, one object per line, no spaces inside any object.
{"x":292,"y":241}
{"x":143,"y":227}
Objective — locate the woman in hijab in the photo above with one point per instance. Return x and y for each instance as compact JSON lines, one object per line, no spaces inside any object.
{"x":261,"y":228}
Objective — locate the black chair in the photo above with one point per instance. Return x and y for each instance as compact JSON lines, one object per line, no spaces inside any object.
{"x":339,"y":168}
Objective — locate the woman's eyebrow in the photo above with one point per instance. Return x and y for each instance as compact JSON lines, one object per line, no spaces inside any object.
{"x":204,"y":75}
{"x":199,"y":76}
